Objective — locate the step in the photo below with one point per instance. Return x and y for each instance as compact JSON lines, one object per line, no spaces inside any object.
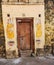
{"x":25,"y":53}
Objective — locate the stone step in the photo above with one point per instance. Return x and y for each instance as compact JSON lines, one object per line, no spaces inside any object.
{"x":25,"y":53}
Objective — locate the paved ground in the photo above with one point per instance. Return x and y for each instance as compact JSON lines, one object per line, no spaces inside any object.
{"x":48,"y":60}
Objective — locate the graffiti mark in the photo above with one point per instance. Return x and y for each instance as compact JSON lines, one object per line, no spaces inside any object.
{"x":10,"y":29}
{"x":38,"y":29}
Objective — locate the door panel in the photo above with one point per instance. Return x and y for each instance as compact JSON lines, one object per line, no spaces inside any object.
{"x":24,"y":35}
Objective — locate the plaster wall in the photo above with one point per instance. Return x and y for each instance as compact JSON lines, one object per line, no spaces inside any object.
{"x":23,"y":11}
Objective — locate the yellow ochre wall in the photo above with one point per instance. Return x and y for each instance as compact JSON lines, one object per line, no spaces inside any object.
{"x":20,"y":11}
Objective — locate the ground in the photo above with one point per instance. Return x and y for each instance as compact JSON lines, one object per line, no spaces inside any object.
{"x":47,"y":60}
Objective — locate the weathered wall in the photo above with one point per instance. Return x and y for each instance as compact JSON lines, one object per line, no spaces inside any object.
{"x":28,"y":11}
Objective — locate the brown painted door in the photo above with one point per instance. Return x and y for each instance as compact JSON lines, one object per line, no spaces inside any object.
{"x":24,"y":34}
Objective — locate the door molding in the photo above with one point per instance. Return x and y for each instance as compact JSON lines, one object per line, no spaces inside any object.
{"x":31,"y":20}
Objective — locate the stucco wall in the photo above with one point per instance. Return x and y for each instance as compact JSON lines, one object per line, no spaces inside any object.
{"x":24,"y":11}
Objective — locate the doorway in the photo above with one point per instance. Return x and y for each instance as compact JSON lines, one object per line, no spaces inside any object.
{"x":25,"y":34}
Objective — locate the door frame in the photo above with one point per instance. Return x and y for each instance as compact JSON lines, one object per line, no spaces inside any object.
{"x":32,"y":45}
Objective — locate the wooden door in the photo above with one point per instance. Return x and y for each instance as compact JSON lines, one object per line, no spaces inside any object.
{"x":24,"y":34}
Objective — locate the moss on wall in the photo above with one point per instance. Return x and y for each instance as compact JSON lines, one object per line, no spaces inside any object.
{"x":49,"y":22}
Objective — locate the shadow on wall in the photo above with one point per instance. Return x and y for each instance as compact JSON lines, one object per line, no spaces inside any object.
{"x":2,"y":41}
{"x":2,"y":38}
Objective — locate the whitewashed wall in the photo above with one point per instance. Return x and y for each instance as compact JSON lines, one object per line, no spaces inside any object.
{"x":18,"y":11}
